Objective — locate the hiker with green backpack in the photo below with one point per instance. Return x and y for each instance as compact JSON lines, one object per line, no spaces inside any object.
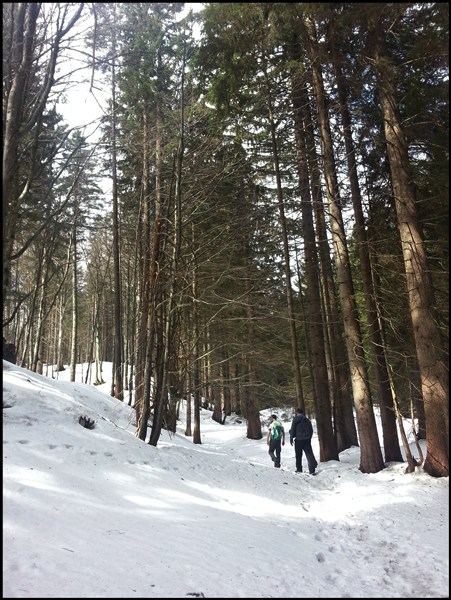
{"x":275,"y":438}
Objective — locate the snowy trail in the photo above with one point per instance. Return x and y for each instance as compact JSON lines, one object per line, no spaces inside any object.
{"x":99,"y":513}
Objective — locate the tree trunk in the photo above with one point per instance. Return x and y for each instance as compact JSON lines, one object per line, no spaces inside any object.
{"x":118,"y":342}
{"x":188,"y":430}
{"x":328,"y":448}
{"x":156,"y":320}
{"x":392,"y":450}
{"x":236,"y":402}
{"x":143,"y":292}
{"x":196,"y":358}
{"x":226,"y":385}
{"x":40,"y":314}
{"x":24,"y":24}
{"x":250,"y":409}
{"x":338,"y":369}
{"x":59,"y":352}
{"x":74,"y":337}
{"x":433,"y":371}
{"x":216,"y":389}
{"x":371,"y":460}
{"x":169,"y":319}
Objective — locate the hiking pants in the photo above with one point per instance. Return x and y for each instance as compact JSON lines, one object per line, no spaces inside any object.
{"x":305,"y":446}
{"x":275,"y":447}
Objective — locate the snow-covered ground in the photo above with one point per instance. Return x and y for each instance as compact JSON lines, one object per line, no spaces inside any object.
{"x":100,"y":514}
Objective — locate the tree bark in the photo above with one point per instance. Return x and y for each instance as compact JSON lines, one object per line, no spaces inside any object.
{"x":392,"y":449}
{"x":433,"y":371}
{"x":118,"y":341}
{"x":74,"y":336}
{"x":338,"y":365}
{"x":328,"y":448}
{"x":196,"y":355}
{"x":371,"y":460}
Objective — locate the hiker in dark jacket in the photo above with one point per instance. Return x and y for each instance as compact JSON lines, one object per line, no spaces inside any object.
{"x":301,"y":433}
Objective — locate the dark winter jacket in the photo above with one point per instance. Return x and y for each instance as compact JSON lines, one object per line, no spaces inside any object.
{"x":301,"y":428}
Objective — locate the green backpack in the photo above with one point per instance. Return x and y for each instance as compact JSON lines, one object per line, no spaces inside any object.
{"x":276,"y":431}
